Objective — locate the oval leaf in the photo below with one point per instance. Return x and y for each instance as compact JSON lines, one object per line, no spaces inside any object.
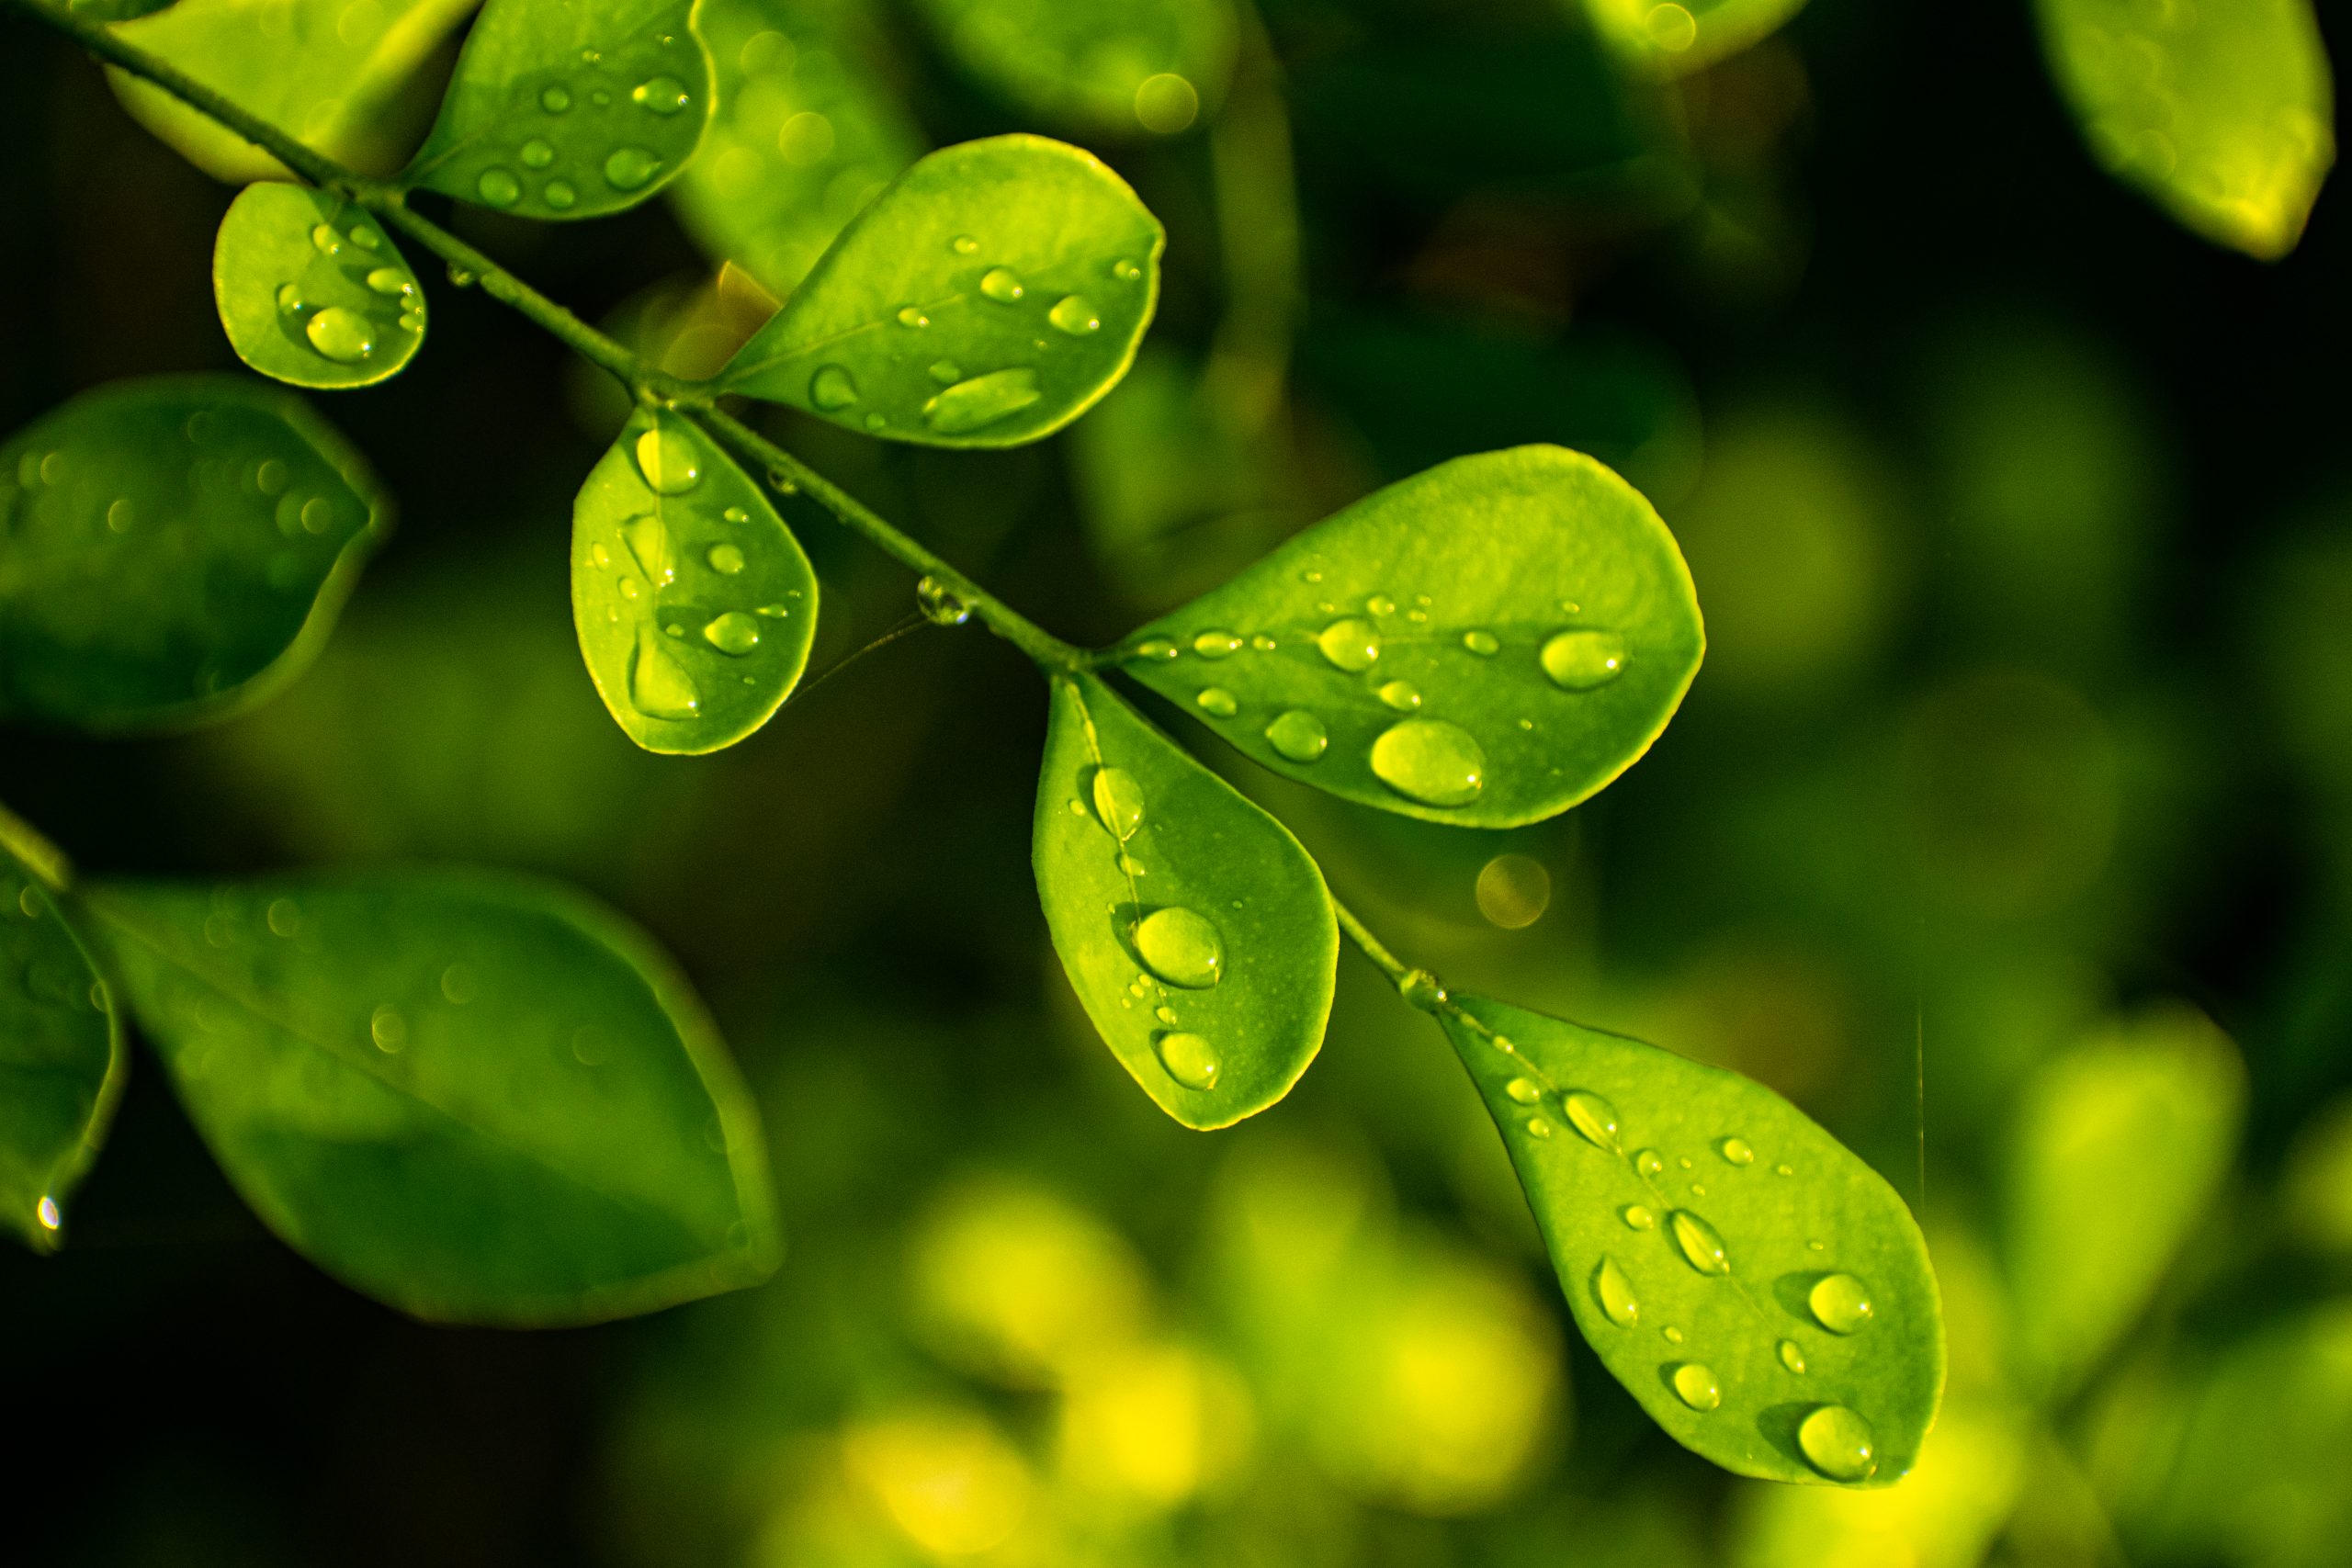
{"x":1761,"y":1291}
{"x":2222,"y":113}
{"x":171,"y":549}
{"x":569,"y":108}
{"x":478,"y":1099}
{"x":987,"y":299}
{"x":1112,"y":66}
{"x":1486,"y":643}
{"x":1196,"y":931}
{"x":694,"y":602}
{"x":312,"y":291}
{"x":62,"y":1058}
{"x":1669,"y":39}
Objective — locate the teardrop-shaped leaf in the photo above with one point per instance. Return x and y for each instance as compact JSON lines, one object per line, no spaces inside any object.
{"x":1761,"y":1291}
{"x":806,"y":134}
{"x":1486,"y":643}
{"x":171,"y":549}
{"x":61,"y":1057}
{"x":1668,"y":39}
{"x":1196,"y":931}
{"x":2223,"y":113}
{"x":987,"y":299}
{"x":327,"y":72}
{"x":569,"y":108}
{"x":1109,"y":66}
{"x":312,"y":291}
{"x":477,"y":1097}
{"x":694,"y":603}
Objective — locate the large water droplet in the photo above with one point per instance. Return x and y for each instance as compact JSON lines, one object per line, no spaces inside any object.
{"x":660,"y":94}
{"x":343,"y":335}
{"x":1190,"y":1060}
{"x":1647,"y":1163}
{"x":725,"y":559}
{"x":1182,"y":948}
{"x":538,"y":152}
{"x":390,"y":281}
{"x":1073,"y":315}
{"x":1422,"y":990}
{"x":1695,"y":1385}
{"x":1637,"y":1217}
{"x":1217,"y":645}
{"x":498,"y":186}
{"x":1594,"y":1117}
{"x":1218,"y":702}
{"x":1002,"y":285}
{"x":629,"y":168}
{"x":1430,"y":761}
{"x":1702,"y":1248}
{"x":1838,"y":1443}
{"x":1352,"y":644}
{"x":1793,"y":1357}
{"x":1615,"y":1293}
{"x":1402,"y":696}
{"x":1527,"y":1091}
{"x":1840,"y":1303}
{"x":668,"y":460}
{"x":1118,"y":802}
{"x":1736,"y":1151}
{"x":324,"y":239}
{"x":1486,"y":645}
{"x":734,"y":633}
{"x":983,"y":400}
{"x":1579,"y":660}
{"x":659,"y":686}
{"x":832,"y":386}
{"x":1298,"y":735}
{"x":939,"y":604}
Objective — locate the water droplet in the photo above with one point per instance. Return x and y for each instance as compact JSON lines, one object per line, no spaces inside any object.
{"x":363,"y":237}
{"x":659,"y":686}
{"x":1402,"y":696}
{"x":1637,"y":1217}
{"x":560,"y":195}
{"x":1484,"y":644}
{"x":734,"y":633}
{"x":46,"y":1213}
{"x":1702,"y":1248}
{"x":1538,"y":1128}
{"x":1673,"y":1335}
{"x":1615,"y":1293}
{"x":660,"y":94}
{"x":1595,"y":1118}
{"x":1736,"y":1151}
{"x":1217,"y":645}
{"x":387,"y":1029}
{"x":1421,"y":990}
{"x":1118,"y":802}
{"x":498,"y":186}
{"x":832,"y":386}
{"x":1190,"y":1060}
{"x":1838,"y":1443}
{"x":1165,"y":1014}
{"x":908,"y":316}
{"x":965,"y":246}
{"x":1352,"y":644}
{"x":1579,"y":660}
{"x":538,"y":152}
{"x":1158,"y":648}
{"x":1180,"y":947}
{"x":1218,"y":702}
{"x":1527,"y":1091}
{"x":648,"y":543}
{"x":1430,"y":761}
{"x":1784,"y":1170}
{"x":669,"y":462}
{"x":939,"y":604}
{"x":1125,"y":271}
{"x":724,"y":559}
{"x":1073,"y":315}
{"x":289,"y":298}
{"x":1263,"y":643}
{"x":390,"y":281}
{"x":555,"y":100}
{"x":1298,"y":735}
{"x":1695,"y":1385}
{"x":983,"y":400}
{"x":1381,"y":604}
{"x":736,"y":514}
{"x":326,"y":241}
{"x":1792,"y":1356}
{"x":630,"y":168}
{"x":1002,"y":285}
{"x":1839,"y":1303}
{"x":341,"y":334}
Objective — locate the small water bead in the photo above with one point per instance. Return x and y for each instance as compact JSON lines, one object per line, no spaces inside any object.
{"x":1838,"y":1443}
{"x":939,"y":604}
{"x":1840,"y":1303}
{"x":1002,"y":285}
{"x":1217,"y":645}
{"x":1381,"y":604}
{"x":1190,"y":1060}
{"x":555,"y":100}
{"x":668,"y":460}
{"x":1538,"y":1128}
{"x":1263,"y":643}
{"x":1159,"y":648}
{"x":1527,"y":1091}
{"x":734,"y":634}
{"x":343,"y":335}
{"x":1218,"y":702}
{"x":982,"y":400}
{"x":832,"y":386}
{"x":560,"y":195}
{"x":1125,"y":271}
{"x":631,"y":168}
{"x":1702,"y":1247}
{"x":498,"y":188}
{"x":1695,"y":1385}
{"x":1421,"y":990}
{"x":1792,"y":1356}
{"x":1581,"y":660}
{"x":289,"y":298}
{"x":1673,"y":1335}
{"x":664,"y":95}
{"x":390,"y":281}
{"x":1698,"y":1189}
{"x":1595,"y":1118}
{"x":325,"y":241}
{"x":538,"y":152}
{"x":910,"y":316}
{"x":1637,"y":1217}
{"x":1073,"y":315}
{"x":725,"y":559}
{"x":659,"y":686}
{"x":1430,"y":761}
{"x":965,"y":246}
{"x":363,"y":237}
{"x":1182,"y":948}
{"x":1298,"y":736}
{"x":1736,"y":1151}
{"x":1615,"y":1294}
{"x":1486,"y":645}
{"x":1784,"y":1170}
{"x":1352,"y":644}
{"x":946,"y":372}
{"x":1165,"y":1014}
{"x":1133,"y":868}
{"x":1118,"y":802}
{"x":736,"y":514}
{"x":1402,"y":696}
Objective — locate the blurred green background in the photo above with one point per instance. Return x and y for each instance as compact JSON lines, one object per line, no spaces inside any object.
{"x":2007,"y":830}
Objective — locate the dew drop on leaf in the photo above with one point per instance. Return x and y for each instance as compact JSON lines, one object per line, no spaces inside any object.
{"x":1647,"y":1163}
{"x":832,"y":386}
{"x":663,"y":96}
{"x":939,"y":604}
{"x":659,"y":686}
{"x":1702,"y":1247}
{"x":1218,"y":702}
{"x":1125,"y":271}
{"x":1524,"y":1090}
{"x":648,"y":543}
{"x":1594,"y":1117}
{"x":1298,"y":735}
{"x":982,"y":400}
{"x":1381,"y":604}
{"x":733,"y":633}
{"x":1217,"y":645}
{"x":1421,"y":990}
{"x":1484,"y":644}
{"x":668,"y":461}
{"x":1695,"y":1385}
{"x":390,"y":281}
{"x":1002,"y":285}
{"x":498,"y":188}
{"x":289,"y":298}
{"x":1637,"y":1217}
{"x":725,"y":559}
{"x":1402,"y":696}
{"x":966,"y":245}
{"x":1073,"y":315}
{"x":1118,"y":802}
{"x":538,"y":152}
{"x":630,"y":168}
{"x":1182,"y":948}
{"x":560,"y":195}
{"x":1430,"y":760}
{"x":1736,"y":1151}
{"x":1615,"y":1293}
{"x":1538,"y":1128}
{"x":1838,"y":1443}
{"x":326,"y":241}
{"x":1792,"y":1356}
{"x":946,"y":372}
{"x":1839,"y":1303}
{"x":341,"y":334}
{"x":1581,"y":660}
{"x":1158,"y":648}
{"x":1190,"y":1060}
{"x":555,"y":100}
{"x":1352,"y":644}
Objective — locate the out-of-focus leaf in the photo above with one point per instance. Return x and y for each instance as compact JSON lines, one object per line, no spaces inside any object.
{"x":694,"y":603}
{"x":569,"y":108}
{"x":806,"y":134}
{"x":1668,"y":39}
{"x":326,"y":71}
{"x":478,"y":1099}
{"x":2222,"y":114}
{"x":312,"y":291}
{"x":1105,"y":66}
{"x":1486,"y":644}
{"x":1195,"y":929}
{"x":2120,"y":1148}
{"x":987,"y":299}
{"x":1763,"y":1293}
{"x":173,"y":548}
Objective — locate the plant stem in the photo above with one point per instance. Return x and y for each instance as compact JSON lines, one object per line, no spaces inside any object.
{"x":48,"y":864}
{"x":1373,"y":948}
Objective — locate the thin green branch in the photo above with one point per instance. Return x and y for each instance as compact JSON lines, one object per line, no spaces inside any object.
{"x":48,"y":864}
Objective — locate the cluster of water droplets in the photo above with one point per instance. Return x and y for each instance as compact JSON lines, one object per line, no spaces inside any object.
{"x":346,"y":334}
{"x":553,"y":110}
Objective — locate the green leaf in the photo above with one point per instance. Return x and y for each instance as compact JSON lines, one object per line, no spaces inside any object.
{"x":327,"y":72}
{"x":806,"y":134}
{"x":2120,"y":1148}
{"x":694,"y":602}
{"x":1195,"y":929}
{"x":2222,"y":113}
{"x":987,"y":299}
{"x":311,"y":290}
{"x":477,"y":1097}
{"x":1486,"y":643}
{"x":1108,"y":66}
{"x":1734,"y":1266}
{"x":569,"y":108}
{"x":172,"y":550}
{"x":62,"y":1058}
{"x":1671,"y":39}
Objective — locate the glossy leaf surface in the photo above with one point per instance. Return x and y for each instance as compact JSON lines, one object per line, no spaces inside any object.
{"x":806,"y":134}
{"x":1736,"y":1267}
{"x":477,"y":1097}
{"x":1486,"y":643}
{"x":327,"y":72}
{"x":1108,"y":66}
{"x":693,"y":603}
{"x":311,"y":290}
{"x":1670,"y":39}
{"x":62,"y":1058}
{"x":1196,"y":931}
{"x":2222,"y":113}
{"x":170,"y":548}
{"x":569,"y":108}
{"x":987,"y":299}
